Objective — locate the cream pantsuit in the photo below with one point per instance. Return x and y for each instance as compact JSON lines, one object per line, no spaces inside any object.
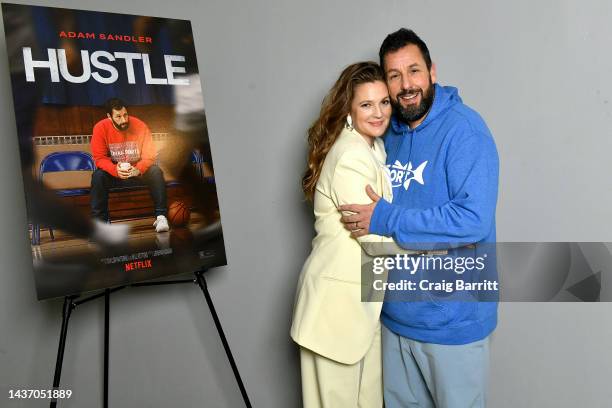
{"x":327,"y":383}
{"x":339,"y":335}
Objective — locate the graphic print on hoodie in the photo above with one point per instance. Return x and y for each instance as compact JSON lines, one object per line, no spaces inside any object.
{"x":444,"y":175}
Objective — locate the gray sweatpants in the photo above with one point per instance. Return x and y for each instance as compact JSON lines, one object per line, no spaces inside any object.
{"x":427,"y":375}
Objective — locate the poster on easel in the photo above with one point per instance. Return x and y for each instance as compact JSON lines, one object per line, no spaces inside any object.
{"x":114,"y":146}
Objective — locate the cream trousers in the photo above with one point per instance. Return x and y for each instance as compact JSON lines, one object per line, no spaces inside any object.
{"x":329,"y":384}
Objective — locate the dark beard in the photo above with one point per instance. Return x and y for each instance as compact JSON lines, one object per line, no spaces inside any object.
{"x":414,"y":113}
{"x":125,"y":126}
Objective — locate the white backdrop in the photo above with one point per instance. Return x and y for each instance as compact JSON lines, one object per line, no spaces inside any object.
{"x":538,"y":74}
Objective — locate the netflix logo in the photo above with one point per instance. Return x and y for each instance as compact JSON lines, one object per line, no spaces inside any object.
{"x":132,"y":266}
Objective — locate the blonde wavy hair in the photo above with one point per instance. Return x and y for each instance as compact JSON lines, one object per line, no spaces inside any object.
{"x":332,"y":118}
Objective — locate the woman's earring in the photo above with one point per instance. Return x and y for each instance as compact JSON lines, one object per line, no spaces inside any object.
{"x":349,"y":122}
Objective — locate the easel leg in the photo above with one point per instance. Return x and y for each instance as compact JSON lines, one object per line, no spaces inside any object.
{"x":66,"y":311}
{"x":106,"y":344}
{"x":202,"y":283}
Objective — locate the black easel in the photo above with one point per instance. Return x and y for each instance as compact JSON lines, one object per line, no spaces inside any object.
{"x":71,"y":302}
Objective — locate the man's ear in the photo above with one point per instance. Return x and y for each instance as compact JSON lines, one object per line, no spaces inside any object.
{"x":108,"y":116}
{"x":432,"y":73}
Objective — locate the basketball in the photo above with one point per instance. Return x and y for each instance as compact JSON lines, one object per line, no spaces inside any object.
{"x":178,"y":214}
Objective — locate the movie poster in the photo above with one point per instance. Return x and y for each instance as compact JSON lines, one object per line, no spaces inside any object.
{"x":115,"y":153}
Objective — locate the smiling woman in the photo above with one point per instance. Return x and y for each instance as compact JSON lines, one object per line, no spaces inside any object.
{"x":370,"y":110}
{"x":338,"y":334}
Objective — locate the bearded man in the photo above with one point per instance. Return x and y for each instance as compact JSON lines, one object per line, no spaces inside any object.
{"x":124,"y":154}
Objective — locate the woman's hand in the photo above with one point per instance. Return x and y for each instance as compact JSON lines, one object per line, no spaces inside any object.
{"x":359,"y":221}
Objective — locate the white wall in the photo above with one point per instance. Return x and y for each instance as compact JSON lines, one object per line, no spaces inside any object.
{"x":538,"y":73}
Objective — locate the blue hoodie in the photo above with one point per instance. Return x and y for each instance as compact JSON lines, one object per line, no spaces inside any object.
{"x":445,"y":175}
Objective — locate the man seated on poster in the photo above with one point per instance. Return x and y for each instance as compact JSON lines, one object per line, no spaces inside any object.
{"x":124,"y":153}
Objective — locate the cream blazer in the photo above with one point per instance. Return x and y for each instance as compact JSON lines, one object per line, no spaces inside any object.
{"x":329,"y":317}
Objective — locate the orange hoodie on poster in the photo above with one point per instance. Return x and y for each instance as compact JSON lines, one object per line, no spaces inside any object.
{"x":110,"y":146}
